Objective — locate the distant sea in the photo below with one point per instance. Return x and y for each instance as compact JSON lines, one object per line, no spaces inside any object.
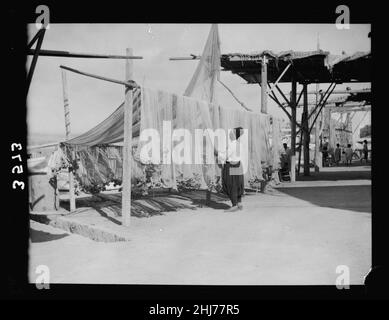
{"x":44,"y":138}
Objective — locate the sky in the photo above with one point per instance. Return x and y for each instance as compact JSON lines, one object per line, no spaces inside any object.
{"x":91,"y":100}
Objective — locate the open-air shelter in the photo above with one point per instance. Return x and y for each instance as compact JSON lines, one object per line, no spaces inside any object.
{"x":268,"y":69}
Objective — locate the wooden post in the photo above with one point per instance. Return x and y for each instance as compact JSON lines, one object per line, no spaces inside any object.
{"x":127,"y":148}
{"x":318,"y":158}
{"x":72,"y":196}
{"x":294,"y":116}
{"x":39,"y":36}
{"x":318,"y":155}
{"x":300,"y":147}
{"x":293,"y":130}
{"x":305,"y":131}
{"x":264,"y":84}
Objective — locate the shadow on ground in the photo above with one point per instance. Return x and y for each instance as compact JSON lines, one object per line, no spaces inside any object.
{"x":109,"y":205}
{"x":355,"y":198}
{"x":41,"y":236}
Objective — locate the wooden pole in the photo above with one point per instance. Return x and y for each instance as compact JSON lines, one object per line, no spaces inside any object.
{"x":305,"y":131}
{"x":300,"y":147}
{"x":67,"y":54}
{"x":127,"y":149}
{"x":72,"y":196}
{"x":293,"y":130}
{"x":273,"y":96}
{"x":193,"y":57}
{"x":294,"y":117}
{"x":320,"y":108}
{"x":264,"y":85}
{"x":318,"y":158}
{"x":240,"y":102}
{"x":30,"y":74}
{"x":344,"y":91}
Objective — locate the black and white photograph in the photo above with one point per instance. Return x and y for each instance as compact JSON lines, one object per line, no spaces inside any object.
{"x":211,"y":154}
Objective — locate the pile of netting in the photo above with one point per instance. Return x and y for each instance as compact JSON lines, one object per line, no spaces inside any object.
{"x":96,"y":156}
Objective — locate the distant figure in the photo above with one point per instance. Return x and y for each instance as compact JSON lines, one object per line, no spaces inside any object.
{"x":349,"y":154}
{"x":325,"y":155}
{"x":287,"y":154}
{"x":343,"y":157}
{"x":365,"y":151}
{"x":285,"y":161}
{"x":337,"y":154}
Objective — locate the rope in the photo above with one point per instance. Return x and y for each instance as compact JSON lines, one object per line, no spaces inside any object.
{"x":229,"y":90}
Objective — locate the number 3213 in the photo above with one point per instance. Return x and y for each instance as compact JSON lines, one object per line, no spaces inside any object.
{"x":17,"y":169}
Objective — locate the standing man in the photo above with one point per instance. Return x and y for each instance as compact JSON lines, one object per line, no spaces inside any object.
{"x":287,"y":154}
{"x":365,"y":151}
{"x":233,"y":170}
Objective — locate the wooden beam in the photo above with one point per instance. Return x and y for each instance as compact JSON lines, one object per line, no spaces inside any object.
{"x":318,"y":154}
{"x":300,"y":145}
{"x":294,"y":118}
{"x":283,"y":95}
{"x":30,"y":74}
{"x":323,"y":104}
{"x":293,"y":130}
{"x":67,"y":54}
{"x":282,"y":74}
{"x":127,"y":149}
{"x":42,"y":146}
{"x":299,"y":98}
{"x":130,"y":84}
{"x":72,"y":196}
{"x":323,"y":98}
{"x":36,"y":37}
{"x":240,"y":102}
{"x":349,"y":108}
{"x":343,"y":91}
{"x":193,"y":57}
{"x":305,"y":132}
{"x":274,"y":98}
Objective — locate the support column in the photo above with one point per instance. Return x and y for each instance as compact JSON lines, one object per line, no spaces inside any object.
{"x":305,"y":130}
{"x":293,"y":130}
{"x":127,"y":144}
{"x":318,"y":126}
{"x":39,"y":36}
{"x":264,"y":84}
{"x":72,"y":196}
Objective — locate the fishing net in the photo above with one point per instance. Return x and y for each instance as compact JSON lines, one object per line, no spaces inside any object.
{"x":174,"y":137}
{"x":169,"y":123}
{"x":203,"y":82}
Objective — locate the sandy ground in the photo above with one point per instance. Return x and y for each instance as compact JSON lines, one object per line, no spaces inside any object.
{"x":295,"y":235}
